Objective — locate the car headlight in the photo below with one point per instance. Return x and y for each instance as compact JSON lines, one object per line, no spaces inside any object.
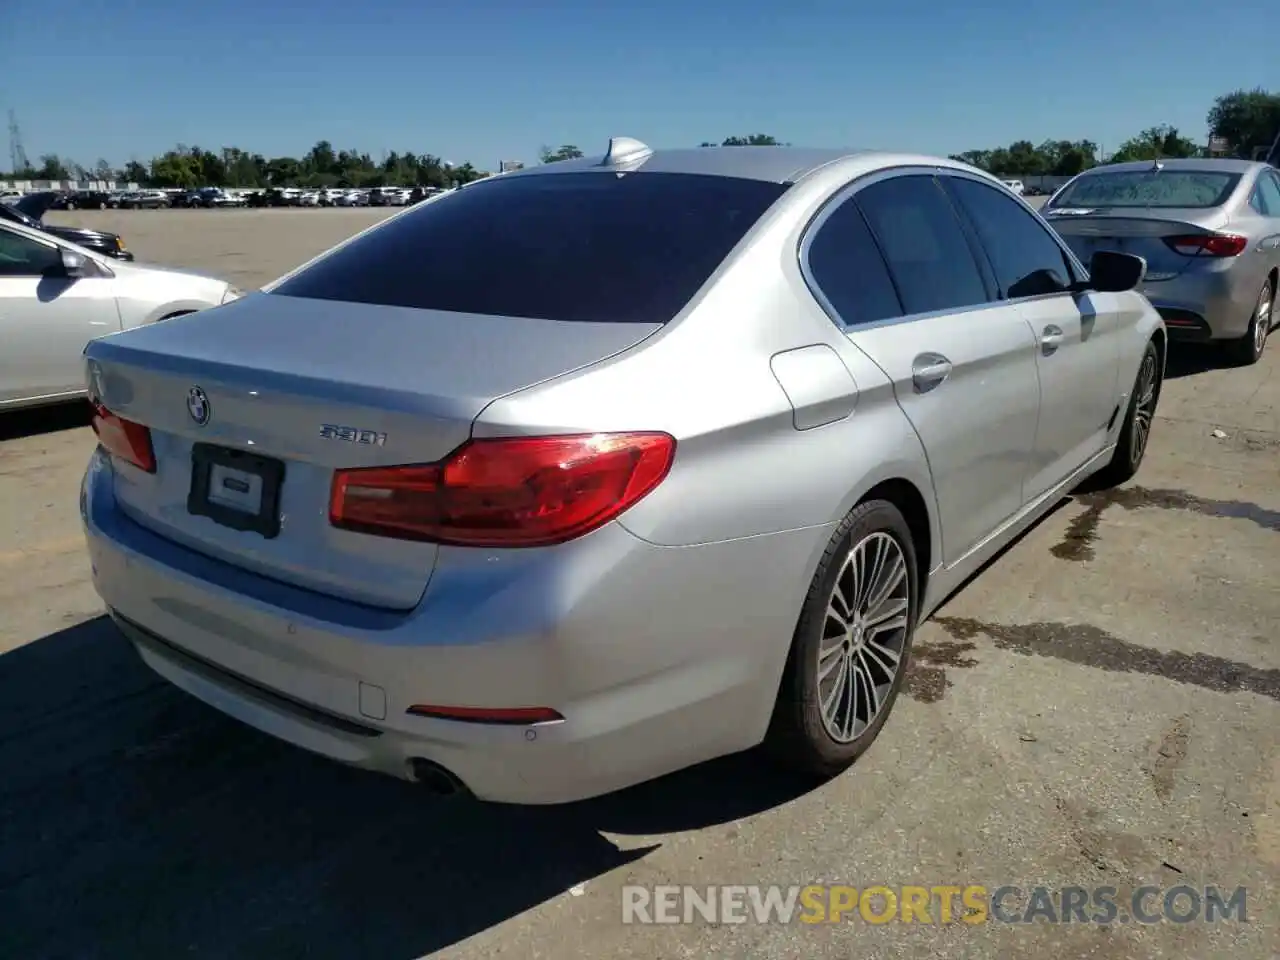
{"x":233,"y":293}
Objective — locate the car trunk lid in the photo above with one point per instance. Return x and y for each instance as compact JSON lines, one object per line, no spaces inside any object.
{"x":315,"y":386}
{"x":1142,"y":232}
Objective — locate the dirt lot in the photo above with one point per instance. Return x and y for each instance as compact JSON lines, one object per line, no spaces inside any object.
{"x":1100,"y":707}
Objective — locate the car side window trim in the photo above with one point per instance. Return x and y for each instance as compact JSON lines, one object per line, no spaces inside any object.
{"x":1075,"y":270}
{"x":847,"y":193}
{"x":980,"y":255}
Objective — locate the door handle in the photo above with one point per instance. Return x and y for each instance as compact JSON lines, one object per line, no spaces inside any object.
{"x":1051,"y":339}
{"x":929,"y":370}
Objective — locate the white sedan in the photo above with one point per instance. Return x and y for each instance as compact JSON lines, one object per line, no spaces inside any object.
{"x":55,"y":297}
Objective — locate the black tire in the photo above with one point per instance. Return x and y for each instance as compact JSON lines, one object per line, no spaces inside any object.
{"x":1131,"y":448}
{"x":798,"y":734}
{"x":1247,"y":351}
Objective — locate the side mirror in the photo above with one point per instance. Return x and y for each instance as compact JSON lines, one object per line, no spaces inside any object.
{"x":1111,"y":272}
{"x":77,"y":265}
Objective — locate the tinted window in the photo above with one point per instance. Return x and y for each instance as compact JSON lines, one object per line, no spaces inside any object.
{"x":1026,"y":259}
{"x":928,"y":254}
{"x":1149,"y":188}
{"x":848,"y":268}
{"x":572,"y":246}
{"x":1269,"y":193}
{"x":23,"y":257}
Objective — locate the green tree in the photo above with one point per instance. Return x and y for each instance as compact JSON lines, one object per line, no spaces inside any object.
{"x":975,"y":158}
{"x":750,"y":140}
{"x":1154,"y":143}
{"x":565,"y":151}
{"x":1066,"y":158}
{"x":176,"y":168}
{"x":1248,"y":119}
{"x":321,"y":159}
{"x":52,"y":167}
{"x":212,"y":171}
{"x":465,"y":174}
{"x":135,"y":172}
{"x":281,"y":171}
{"x":243,"y":169}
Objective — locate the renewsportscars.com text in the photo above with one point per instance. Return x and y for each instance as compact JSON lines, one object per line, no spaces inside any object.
{"x":968,"y":903}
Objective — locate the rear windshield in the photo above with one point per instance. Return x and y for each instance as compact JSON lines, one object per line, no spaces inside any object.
{"x":630,"y":248}
{"x":1149,"y":188}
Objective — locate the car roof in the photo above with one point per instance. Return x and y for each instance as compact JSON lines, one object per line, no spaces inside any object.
{"x":773,"y":164}
{"x":1202,"y":164}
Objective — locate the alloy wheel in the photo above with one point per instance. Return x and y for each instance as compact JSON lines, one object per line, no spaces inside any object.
{"x":1262,"y":325}
{"x":1145,"y":410}
{"x":864,"y":633}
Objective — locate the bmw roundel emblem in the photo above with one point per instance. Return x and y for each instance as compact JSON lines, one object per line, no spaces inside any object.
{"x":198,"y":406}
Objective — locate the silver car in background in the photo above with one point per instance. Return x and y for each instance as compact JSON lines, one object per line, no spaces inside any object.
{"x":589,"y":472}
{"x":1208,"y":229}
{"x":55,"y":297}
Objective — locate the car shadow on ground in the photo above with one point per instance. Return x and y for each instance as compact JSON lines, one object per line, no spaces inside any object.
{"x":51,"y":419}
{"x":136,"y":822}
{"x":1190,"y":359}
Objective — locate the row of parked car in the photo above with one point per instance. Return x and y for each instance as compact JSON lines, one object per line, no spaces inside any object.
{"x":1022,"y":190}
{"x":342,"y":197}
{"x":218,"y":197}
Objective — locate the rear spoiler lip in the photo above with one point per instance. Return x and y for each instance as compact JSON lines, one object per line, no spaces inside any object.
{"x":1101,"y":222}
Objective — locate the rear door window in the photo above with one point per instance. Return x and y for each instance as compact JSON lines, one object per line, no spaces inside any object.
{"x":1026,"y":259}
{"x":629,"y":248}
{"x":1268,"y":191}
{"x":924,"y":244}
{"x":847,"y":267}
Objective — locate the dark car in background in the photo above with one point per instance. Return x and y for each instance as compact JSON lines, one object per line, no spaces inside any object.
{"x":270,"y":197}
{"x":86,"y":200}
{"x":30,"y":210}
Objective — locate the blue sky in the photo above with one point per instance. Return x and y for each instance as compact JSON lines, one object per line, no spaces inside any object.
{"x":494,"y":80}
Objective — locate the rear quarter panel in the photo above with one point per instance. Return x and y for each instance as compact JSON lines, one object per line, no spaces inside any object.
{"x":146,"y":296}
{"x":742,"y":467}
{"x":1257,"y":262}
{"x":1140,"y":323}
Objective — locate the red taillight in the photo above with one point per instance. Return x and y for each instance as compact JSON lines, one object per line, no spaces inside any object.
{"x":507,"y":715}
{"x":123,"y":438}
{"x":505,"y":492}
{"x":1208,"y":245}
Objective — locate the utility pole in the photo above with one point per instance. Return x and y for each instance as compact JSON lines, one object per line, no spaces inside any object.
{"x":17,"y":155}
